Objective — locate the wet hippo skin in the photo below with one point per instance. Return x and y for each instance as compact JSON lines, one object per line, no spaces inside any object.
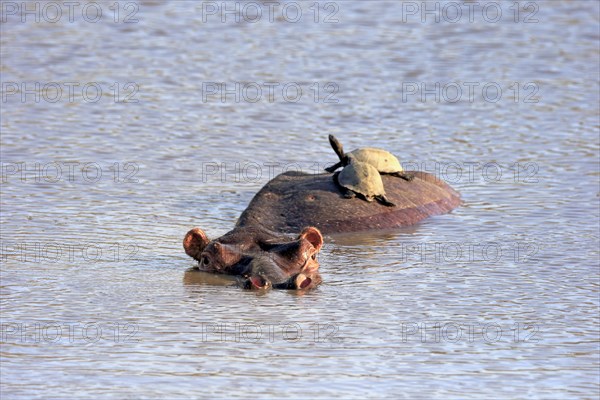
{"x":294,"y":200}
{"x":260,"y":250}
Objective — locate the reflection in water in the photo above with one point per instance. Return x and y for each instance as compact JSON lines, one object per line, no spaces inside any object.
{"x":193,"y":276}
{"x":194,"y":279}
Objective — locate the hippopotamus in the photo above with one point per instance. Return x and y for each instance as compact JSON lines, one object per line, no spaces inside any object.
{"x":260,"y":249}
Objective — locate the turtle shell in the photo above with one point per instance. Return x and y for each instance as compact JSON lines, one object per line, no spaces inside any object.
{"x":384,"y":161}
{"x":362,"y":178}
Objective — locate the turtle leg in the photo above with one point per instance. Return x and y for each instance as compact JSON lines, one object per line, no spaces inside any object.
{"x":333,"y":167}
{"x":404,"y":175}
{"x":337,"y":147}
{"x":365,"y":198}
{"x":382,"y":200}
{"x":347,"y":193}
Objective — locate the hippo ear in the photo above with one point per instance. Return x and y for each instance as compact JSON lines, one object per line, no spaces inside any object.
{"x":194,"y":243}
{"x":313,"y":235}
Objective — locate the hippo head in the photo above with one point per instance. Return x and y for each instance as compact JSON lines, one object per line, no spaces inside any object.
{"x":263,"y":259}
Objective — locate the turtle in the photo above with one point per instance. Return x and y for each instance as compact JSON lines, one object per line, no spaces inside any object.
{"x":363,"y":180}
{"x":384,"y":161}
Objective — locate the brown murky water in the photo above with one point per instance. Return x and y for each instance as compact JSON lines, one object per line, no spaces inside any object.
{"x":497,"y":300}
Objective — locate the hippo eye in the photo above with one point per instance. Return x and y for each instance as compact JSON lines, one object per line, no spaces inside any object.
{"x":314,"y":256}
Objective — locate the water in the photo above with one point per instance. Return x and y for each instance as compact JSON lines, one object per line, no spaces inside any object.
{"x":97,"y":299}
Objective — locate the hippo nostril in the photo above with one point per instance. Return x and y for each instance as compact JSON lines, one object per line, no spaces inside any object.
{"x":205,"y":260}
{"x":258,"y":282}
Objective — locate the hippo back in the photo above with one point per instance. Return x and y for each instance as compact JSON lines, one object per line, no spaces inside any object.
{"x":294,"y":200}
